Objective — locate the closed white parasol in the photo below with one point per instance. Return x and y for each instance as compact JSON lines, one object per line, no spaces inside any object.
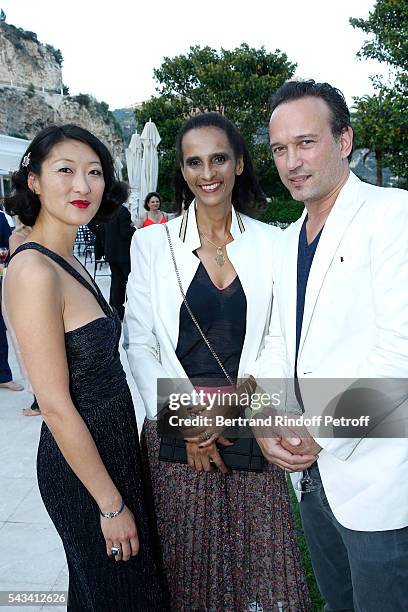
{"x":150,"y":138}
{"x":134,"y":168}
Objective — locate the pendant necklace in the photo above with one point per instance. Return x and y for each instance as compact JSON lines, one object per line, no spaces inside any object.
{"x":219,"y":258}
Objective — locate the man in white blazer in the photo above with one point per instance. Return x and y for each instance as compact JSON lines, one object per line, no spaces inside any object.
{"x":341,"y":311}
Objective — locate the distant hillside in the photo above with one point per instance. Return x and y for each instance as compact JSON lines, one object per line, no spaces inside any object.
{"x":126,"y":119}
{"x":366,"y":170}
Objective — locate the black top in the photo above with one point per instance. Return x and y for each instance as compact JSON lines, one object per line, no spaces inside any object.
{"x":221,"y":314}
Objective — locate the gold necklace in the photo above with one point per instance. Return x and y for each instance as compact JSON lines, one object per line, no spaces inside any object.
{"x":219,"y":258}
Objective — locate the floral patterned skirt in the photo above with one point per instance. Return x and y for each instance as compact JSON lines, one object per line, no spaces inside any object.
{"x":228,"y":540}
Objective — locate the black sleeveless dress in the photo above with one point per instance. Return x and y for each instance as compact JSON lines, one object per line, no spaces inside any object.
{"x":100,"y":394}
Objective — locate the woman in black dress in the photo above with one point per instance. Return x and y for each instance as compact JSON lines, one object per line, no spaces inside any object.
{"x":88,"y":464}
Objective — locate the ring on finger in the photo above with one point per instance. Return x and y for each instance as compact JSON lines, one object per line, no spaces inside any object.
{"x":205,"y":436}
{"x":116,"y":551}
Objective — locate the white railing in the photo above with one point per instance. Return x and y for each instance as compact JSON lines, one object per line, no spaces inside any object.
{"x":25,"y":87}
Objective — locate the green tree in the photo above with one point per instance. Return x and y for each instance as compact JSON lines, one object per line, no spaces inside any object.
{"x":387,"y":111}
{"x":374,"y":124}
{"x":397,"y":155}
{"x":237,"y":83}
{"x":168,"y":114}
{"x":387,"y":24}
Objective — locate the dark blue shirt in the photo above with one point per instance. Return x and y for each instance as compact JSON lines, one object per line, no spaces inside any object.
{"x":5,"y":231}
{"x":306,"y":253}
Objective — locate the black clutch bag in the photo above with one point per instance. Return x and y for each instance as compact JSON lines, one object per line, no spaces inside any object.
{"x":245,"y":453}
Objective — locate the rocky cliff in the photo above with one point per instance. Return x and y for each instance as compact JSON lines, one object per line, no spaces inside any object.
{"x":25,"y":62}
{"x":30,"y":92}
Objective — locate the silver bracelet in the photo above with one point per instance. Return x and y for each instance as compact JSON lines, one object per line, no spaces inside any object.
{"x":113,"y":514}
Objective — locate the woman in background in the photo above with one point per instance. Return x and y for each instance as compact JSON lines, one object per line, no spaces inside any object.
{"x":153,"y":215}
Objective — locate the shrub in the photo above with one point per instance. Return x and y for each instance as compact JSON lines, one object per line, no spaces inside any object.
{"x":82,"y":100}
{"x":281,"y":210}
{"x":30,"y":90}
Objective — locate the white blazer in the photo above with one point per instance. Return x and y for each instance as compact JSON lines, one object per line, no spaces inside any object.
{"x":355,"y":325}
{"x":154,"y":299}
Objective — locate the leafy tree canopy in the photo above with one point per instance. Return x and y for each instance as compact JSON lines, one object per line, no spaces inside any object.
{"x":379,"y":127}
{"x":381,"y":121}
{"x":388,"y":25}
{"x":237,"y":83}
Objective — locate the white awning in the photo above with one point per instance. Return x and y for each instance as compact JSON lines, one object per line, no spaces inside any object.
{"x":11,"y":152}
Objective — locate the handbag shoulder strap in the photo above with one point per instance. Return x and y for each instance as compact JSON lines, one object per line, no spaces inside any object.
{"x":183,"y":295}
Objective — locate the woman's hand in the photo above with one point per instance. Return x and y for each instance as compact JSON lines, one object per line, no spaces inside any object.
{"x":120,"y":532}
{"x":208,"y":458}
{"x":231,"y":410}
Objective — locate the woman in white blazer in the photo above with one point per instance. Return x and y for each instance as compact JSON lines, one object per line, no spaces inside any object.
{"x":227,"y":537}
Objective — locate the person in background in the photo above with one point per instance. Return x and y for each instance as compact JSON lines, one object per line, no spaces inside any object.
{"x":20,"y":235}
{"x":98,"y":231}
{"x":6,"y":378}
{"x":117,"y":238}
{"x":153,"y":215}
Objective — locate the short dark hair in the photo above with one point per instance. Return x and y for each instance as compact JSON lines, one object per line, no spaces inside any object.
{"x":152,"y":194}
{"x":295,"y":90}
{"x":247,"y":192}
{"x":26,"y":204}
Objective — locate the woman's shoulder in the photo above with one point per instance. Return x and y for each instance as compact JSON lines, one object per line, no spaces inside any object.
{"x":33,"y":289}
{"x":30,"y":268}
{"x":153,"y":231}
{"x":149,"y":237}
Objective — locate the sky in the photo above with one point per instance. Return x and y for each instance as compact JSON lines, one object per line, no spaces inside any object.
{"x":111,"y":48}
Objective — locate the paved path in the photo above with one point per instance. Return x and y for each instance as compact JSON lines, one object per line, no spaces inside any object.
{"x":31,"y":553}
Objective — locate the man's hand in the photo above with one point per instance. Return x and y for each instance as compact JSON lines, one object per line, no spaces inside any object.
{"x":274,"y":452}
{"x":301,"y":446}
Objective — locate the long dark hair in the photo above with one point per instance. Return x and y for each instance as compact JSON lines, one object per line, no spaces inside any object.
{"x":247,"y":193}
{"x":26,"y":204}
